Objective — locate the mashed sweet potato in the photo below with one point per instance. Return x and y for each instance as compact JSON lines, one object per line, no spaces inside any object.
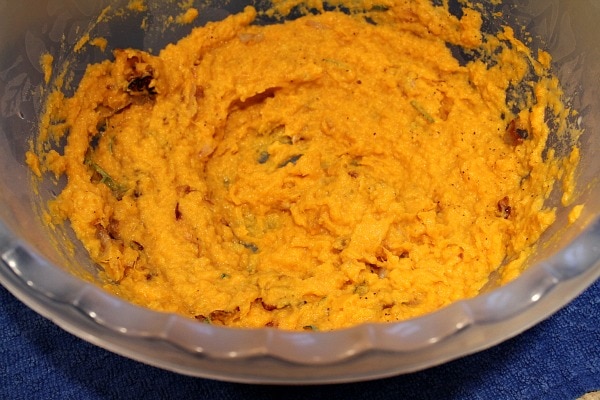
{"x":335,"y":169}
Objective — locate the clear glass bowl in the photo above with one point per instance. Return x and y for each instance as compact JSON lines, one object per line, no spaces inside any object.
{"x":38,"y":270}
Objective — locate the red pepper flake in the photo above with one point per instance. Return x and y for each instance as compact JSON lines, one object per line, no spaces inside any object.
{"x":177,"y":212}
{"x":515,"y":134}
{"x":504,"y":208}
{"x":113,"y":229}
{"x":267,"y":307}
{"x":104,"y":237}
{"x":203,"y":319}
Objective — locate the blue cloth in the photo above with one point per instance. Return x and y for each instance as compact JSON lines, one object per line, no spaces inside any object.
{"x":557,"y":359}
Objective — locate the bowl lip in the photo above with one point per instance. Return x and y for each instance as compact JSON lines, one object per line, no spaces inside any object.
{"x":72,"y":304}
{"x":89,"y":312}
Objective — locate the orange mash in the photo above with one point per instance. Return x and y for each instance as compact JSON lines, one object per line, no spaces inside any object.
{"x":319,"y":173}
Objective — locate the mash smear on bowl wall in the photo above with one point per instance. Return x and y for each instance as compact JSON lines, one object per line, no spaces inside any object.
{"x":315,"y":173}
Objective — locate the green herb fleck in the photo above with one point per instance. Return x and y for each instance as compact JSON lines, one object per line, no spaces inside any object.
{"x":203,"y":319}
{"x":249,"y":245}
{"x":379,"y":8}
{"x":263,"y":157}
{"x":116,"y":188}
{"x":111,"y":142}
{"x":422,"y":111}
{"x":285,"y":139}
{"x":292,"y":160}
{"x":361,"y":289}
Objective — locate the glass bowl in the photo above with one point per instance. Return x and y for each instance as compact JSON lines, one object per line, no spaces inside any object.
{"x":38,"y":268}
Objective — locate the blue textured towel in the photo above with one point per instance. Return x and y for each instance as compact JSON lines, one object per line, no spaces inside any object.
{"x":557,"y":359}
